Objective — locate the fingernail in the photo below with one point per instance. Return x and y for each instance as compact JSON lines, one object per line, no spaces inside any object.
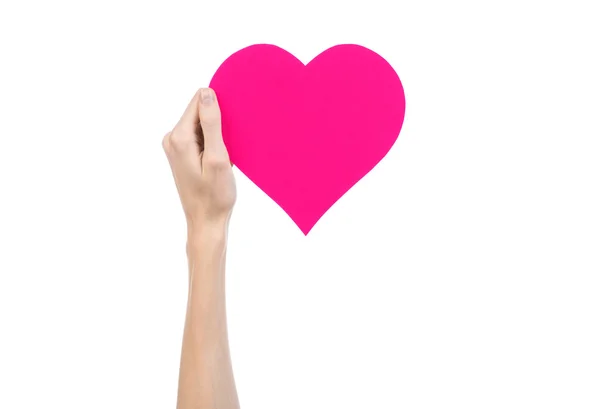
{"x":206,"y":96}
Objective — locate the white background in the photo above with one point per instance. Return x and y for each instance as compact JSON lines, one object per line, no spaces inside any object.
{"x":462,"y":272}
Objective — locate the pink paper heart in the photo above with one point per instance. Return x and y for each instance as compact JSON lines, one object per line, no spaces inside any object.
{"x":306,"y":134}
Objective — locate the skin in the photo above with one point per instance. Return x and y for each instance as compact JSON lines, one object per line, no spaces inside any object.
{"x":206,"y":186}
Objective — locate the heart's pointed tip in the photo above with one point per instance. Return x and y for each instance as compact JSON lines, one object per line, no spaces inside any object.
{"x":305,"y":229}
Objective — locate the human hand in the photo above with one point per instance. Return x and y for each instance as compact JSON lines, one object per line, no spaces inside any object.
{"x":200,"y":164}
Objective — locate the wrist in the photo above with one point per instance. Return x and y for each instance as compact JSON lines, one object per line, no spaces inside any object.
{"x":206,"y":235}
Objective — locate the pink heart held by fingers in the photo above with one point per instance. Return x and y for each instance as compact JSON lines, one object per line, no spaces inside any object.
{"x":305,"y":134}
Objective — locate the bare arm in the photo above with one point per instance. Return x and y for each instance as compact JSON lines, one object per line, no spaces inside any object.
{"x":205,"y":183}
{"x":206,"y":376}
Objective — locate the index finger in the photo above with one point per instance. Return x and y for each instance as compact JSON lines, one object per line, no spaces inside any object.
{"x":190,"y":118}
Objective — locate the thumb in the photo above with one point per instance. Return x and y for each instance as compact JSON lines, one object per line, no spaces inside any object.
{"x":210,"y":121}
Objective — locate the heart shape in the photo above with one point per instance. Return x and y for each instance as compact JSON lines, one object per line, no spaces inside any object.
{"x":305,"y":134}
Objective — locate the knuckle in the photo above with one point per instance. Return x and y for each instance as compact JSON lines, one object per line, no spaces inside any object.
{"x":211,"y":125}
{"x":216,"y":162}
{"x":211,"y":117}
{"x":166,"y":142}
{"x":178,"y":140}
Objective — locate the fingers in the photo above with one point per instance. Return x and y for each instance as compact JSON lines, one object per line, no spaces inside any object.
{"x":189,"y":119}
{"x":183,"y":136}
{"x":199,"y":132}
{"x":210,"y":121}
{"x":166,"y":142}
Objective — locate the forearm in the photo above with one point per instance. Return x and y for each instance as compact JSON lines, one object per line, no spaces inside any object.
{"x":206,"y":377}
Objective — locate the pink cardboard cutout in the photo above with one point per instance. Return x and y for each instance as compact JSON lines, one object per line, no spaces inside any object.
{"x":306,"y":134}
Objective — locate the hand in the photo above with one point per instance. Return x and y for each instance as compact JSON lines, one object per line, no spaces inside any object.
{"x":200,"y":163}
{"x":204,"y":180}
